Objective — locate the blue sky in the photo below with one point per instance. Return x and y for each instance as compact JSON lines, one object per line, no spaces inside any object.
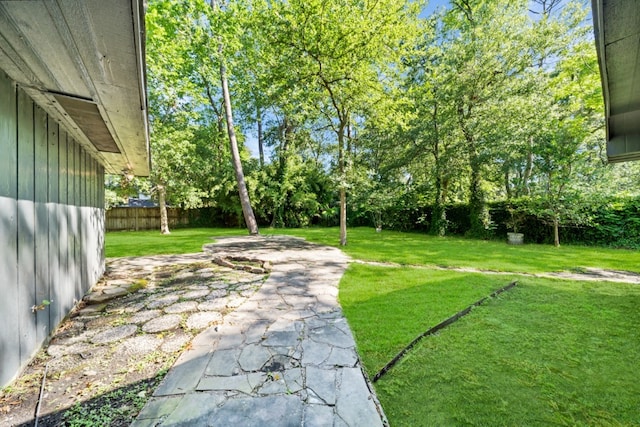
{"x":433,"y":5}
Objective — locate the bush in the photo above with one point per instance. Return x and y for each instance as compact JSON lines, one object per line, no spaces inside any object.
{"x":613,"y":222}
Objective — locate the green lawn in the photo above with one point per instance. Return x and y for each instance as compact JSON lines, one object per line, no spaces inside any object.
{"x":400,"y":303}
{"x":392,"y":246}
{"x":151,"y":242}
{"x":548,"y":352}
{"x":420,"y":249}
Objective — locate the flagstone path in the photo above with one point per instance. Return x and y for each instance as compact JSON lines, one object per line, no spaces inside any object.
{"x":284,"y":357}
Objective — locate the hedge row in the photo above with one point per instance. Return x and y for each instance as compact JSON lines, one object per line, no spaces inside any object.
{"x":612,"y":222}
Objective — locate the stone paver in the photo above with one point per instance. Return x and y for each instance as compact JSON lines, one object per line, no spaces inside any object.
{"x":139,"y":345}
{"x":182,"y":307}
{"x":283,"y":356}
{"x":162,"y":323}
{"x":145,"y":316}
{"x":140,"y":316}
{"x":114,"y":334}
{"x":203,"y":319}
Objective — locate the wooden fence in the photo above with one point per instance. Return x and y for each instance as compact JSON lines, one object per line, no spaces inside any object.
{"x":119,"y":219}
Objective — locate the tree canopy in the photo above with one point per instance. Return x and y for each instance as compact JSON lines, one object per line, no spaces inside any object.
{"x":405,"y":115}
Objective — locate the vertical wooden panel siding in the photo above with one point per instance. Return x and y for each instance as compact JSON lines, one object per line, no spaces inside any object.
{"x":42,"y":221}
{"x":53,"y":172}
{"x":26,"y":227}
{"x":9,"y":332}
{"x":64,"y":293}
{"x":51,"y":226}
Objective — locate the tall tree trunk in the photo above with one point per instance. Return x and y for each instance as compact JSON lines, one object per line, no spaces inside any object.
{"x":260,"y":141}
{"x":445,"y":189}
{"x":343,"y":216}
{"x":281,"y":174}
{"x":439,"y":217}
{"x":343,"y":190}
{"x":245,"y":202}
{"x":528,"y":170}
{"x":162,"y":201}
{"x":477,"y":204}
{"x":249,"y":217}
{"x":507,"y":183}
{"x":556,"y":231}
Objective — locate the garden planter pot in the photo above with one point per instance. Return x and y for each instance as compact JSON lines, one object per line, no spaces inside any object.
{"x":515,"y":238}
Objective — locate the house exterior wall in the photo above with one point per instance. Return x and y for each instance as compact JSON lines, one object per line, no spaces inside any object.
{"x":51,"y":226}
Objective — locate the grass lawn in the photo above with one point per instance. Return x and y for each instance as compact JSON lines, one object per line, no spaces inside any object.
{"x":389,"y":307}
{"x":151,"y":242}
{"x":548,"y":352}
{"x":392,"y":246}
{"x":420,"y":249}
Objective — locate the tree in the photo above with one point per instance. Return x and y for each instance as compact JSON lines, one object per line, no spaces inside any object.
{"x":495,"y":100}
{"x":340,"y":52}
{"x":565,"y":154}
{"x":247,"y":210}
{"x":179,"y":170}
{"x":186,"y":55}
{"x":434,"y":141}
{"x":487,"y":49}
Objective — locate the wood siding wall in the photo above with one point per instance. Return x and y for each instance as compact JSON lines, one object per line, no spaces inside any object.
{"x":120,"y":219}
{"x":51,"y":226}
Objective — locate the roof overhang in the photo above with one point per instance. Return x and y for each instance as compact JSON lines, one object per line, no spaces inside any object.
{"x":617,"y":33}
{"x":83,"y":62}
